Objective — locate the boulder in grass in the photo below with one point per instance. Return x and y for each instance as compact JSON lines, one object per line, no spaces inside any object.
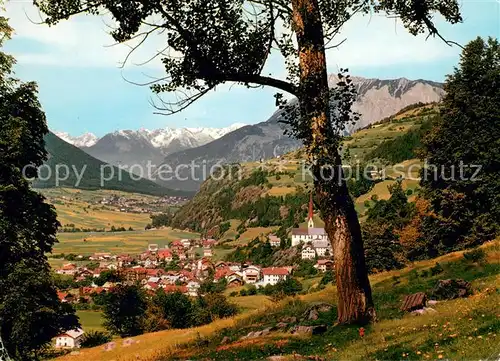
{"x":309,"y":330}
{"x":451,"y":289}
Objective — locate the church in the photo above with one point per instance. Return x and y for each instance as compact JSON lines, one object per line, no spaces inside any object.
{"x":311,"y":233}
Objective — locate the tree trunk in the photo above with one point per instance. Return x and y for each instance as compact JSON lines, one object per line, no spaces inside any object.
{"x":355,"y":304}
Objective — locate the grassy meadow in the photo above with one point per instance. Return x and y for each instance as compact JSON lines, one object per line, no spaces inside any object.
{"x":466,"y":328}
{"x":86,"y":243}
{"x":74,"y":206}
{"x":91,"y":320}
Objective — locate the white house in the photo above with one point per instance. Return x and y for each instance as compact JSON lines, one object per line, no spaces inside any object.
{"x":70,"y":339}
{"x":323,"y":248}
{"x":150,"y":262}
{"x":186,"y":243}
{"x":273,"y":275}
{"x":165,"y":255}
{"x":192,"y":288}
{"x":207,"y":252}
{"x":324,"y":265}
{"x":308,"y":252}
{"x":274,"y":241}
{"x":69,"y":269}
{"x":251,"y":274}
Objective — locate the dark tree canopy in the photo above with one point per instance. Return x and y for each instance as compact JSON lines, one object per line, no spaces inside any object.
{"x":466,"y":203}
{"x":209,"y":42}
{"x":124,"y":310}
{"x":30,"y":311}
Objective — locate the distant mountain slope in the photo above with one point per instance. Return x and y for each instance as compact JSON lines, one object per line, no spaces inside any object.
{"x":62,"y":153}
{"x":130,"y":147}
{"x":84,"y":140}
{"x":377,"y":99}
{"x":264,"y":194}
{"x":250,"y":143}
{"x":126,"y":148}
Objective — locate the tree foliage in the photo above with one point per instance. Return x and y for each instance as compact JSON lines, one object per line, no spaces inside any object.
{"x":465,"y":208}
{"x":30,"y":311}
{"x":380,"y":231}
{"x":124,"y":308}
{"x":403,"y":147}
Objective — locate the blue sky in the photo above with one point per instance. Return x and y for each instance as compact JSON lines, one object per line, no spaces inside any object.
{"x":82,"y":87}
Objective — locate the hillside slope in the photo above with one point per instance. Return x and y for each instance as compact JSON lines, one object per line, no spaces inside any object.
{"x":377,"y":99}
{"x":460,"y":329}
{"x":274,"y":192}
{"x":62,"y":153}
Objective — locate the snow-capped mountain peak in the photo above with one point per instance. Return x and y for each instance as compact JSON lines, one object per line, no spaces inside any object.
{"x":84,"y":140}
{"x":188,"y":137}
{"x":167,"y":140}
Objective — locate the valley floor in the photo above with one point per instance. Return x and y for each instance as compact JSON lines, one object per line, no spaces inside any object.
{"x":467,"y":328}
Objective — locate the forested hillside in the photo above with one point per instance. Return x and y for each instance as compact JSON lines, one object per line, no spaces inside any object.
{"x":275,"y":193}
{"x":62,"y":153}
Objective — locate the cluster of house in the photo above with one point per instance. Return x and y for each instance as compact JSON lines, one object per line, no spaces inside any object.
{"x":133,"y":205}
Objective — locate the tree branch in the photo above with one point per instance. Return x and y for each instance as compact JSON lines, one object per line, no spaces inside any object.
{"x":216,"y":75}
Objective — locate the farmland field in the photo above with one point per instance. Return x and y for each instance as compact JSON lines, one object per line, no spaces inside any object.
{"x":81,"y":208}
{"x":91,"y":320}
{"x":86,"y":243}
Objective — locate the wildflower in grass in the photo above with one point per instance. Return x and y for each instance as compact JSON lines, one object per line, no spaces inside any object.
{"x":362,"y":332}
{"x":440,"y":356}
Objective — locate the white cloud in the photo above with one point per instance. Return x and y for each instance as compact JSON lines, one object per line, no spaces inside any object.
{"x":82,"y":41}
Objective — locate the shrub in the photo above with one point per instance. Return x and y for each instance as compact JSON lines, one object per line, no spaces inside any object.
{"x":425,"y":273}
{"x":252,"y":290}
{"x":475,"y":255}
{"x":437,"y":269}
{"x":413,"y":276}
{"x":95,"y":338}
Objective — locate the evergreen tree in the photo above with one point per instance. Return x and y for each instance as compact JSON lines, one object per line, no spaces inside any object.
{"x":465,"y":205}
{"x":30,"y":311}
{"x":124,"y":309}
{"x":380,"y":231}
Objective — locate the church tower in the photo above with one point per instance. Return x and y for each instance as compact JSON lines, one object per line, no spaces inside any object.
{"x":310,"y":222}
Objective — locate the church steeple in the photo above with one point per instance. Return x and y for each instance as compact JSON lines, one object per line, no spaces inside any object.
{"x":310,"y":222}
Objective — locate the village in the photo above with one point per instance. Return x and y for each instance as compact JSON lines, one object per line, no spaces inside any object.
{"x":133,"y":205}
{"x":181,"y":268}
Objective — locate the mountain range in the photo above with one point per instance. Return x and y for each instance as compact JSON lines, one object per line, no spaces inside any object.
{"x":193,"y":152}
{"x":137,"y":147}
{"x":86,"y":172}
{"x":84,"y":140}
{"x":377,"y":99}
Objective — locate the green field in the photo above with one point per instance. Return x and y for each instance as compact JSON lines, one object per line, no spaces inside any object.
{"x":91,"y":320}
{"x":79,"y":207}
{"x":117,"y":242}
